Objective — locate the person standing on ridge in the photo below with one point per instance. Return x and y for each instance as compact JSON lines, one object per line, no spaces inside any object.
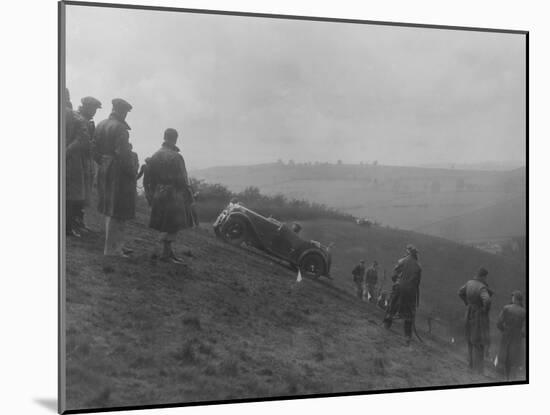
{"x":170,"y":194}
{"x":77,"y":149}
{"x":405,"y":295}
{"x":87,"y":111}
{"x":476,"y":296}
{"x":511,"y":323}
{"x":116,"y":179}
{"x":358,"y":275}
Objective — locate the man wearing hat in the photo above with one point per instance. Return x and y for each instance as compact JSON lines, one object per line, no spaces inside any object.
{"x":86,"y":111}
{"x":116,"y":178}
{"x":77,"y":148}
{"x":169,"y":193}
{"x":405,"y":295}
{"x":511,"y":323}
{"x":476,"y":296}
{"x":358,"y":274}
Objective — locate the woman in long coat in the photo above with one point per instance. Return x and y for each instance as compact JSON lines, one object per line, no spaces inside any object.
{"x":170,"y":194}
{"x":511,"y":323}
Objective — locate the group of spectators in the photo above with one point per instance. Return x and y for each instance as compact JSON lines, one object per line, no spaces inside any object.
{"x":102,"y":157}
{"x":403,"y":300}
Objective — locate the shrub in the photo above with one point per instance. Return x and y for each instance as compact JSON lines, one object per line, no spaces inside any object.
{"x":212,"y":198}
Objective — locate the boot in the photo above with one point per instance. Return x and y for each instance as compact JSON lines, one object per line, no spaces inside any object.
{"x":168,"y":254}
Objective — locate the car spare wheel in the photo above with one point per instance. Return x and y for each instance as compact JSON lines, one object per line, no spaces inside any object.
{"x":235,"y":231}
{"x":313,"y":264}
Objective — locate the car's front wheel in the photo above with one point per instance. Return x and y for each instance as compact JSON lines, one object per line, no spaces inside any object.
{"x":235,"y":231}
{"x":313,"y":264}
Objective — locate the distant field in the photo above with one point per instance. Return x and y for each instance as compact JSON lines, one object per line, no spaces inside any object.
{"x":405,"y":210}
{"x":402,"y":197}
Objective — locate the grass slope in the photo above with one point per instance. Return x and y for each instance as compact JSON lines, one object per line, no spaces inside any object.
{"x":230,"y":324}
{"x":502,"y":220}
{"x":446,"y":265}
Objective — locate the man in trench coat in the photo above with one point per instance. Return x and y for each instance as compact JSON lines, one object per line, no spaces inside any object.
{"x":404,"y":298}
{"x":476,"y":296}
{"x":511,"y":323}
{"x":77,"y":148}
{"x":169,"y":193}
{"x":87,"y":111}
{"x":116,"y":179}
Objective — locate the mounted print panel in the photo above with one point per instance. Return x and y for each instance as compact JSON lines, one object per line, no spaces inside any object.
{"x":260,"y":207}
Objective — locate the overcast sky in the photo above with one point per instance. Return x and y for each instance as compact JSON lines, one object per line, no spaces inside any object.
{"x":244,"y":90}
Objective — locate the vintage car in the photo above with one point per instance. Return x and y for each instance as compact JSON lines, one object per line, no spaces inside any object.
{"x":239,"y":225}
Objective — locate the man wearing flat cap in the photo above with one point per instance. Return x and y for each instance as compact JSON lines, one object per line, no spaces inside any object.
{"x":86,"y":111}
{"x":476,"y":296}
{"x":77,"y":150}
{"x":169,"y":193}
{"x":405,"y":295}
{"x":511,"y":323}
{"x":116,"y":178}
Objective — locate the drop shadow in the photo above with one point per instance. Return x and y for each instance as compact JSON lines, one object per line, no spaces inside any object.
{"x":47,"y":403}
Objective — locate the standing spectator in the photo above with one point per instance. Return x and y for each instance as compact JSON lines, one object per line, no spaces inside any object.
{"x":116,"y":182}
{"x":77,"y":148}
{"x":371,"y":281}
{"x":405,"y":295}
{"x":476,"y":295}
{"x":511,"y":323}
{"x":358,"y":274}
{"x":171,"y":196}
{"x":87,"y":111}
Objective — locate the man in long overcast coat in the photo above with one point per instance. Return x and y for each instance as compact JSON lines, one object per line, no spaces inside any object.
{"x":511,"y":323}
{"x":78,"y":142}
{"x":405,"y":293}
{"x":476,"y":295}
{"x":169,"y":193}
{"x":87,"y":109}
{"x":116,"y":180}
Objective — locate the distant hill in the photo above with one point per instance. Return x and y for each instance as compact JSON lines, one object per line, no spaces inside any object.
{"x":234,"y":324}
{"x":487,"y":165}
{"x":403,"y":197}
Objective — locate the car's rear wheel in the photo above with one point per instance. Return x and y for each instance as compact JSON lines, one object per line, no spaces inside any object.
{"x":235,"y":231}
{"x":313,"y":264}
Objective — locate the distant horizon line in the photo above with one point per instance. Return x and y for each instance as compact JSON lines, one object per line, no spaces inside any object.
{"x":507,"y":165}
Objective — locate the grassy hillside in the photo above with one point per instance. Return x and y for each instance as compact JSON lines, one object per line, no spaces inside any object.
{"x":505,"y":219}
{"x":446,"y":266}
{"x":232,"y":324}
{"x":404,"y":197}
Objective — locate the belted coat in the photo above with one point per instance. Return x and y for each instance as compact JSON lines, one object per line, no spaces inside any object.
{"x":116,"y":177}
{"x":476,"y":295}
{"x":511,"y":323}
{"x":168,"y":190}
{"x":77,"y":151}
{"x":405,"y":294}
